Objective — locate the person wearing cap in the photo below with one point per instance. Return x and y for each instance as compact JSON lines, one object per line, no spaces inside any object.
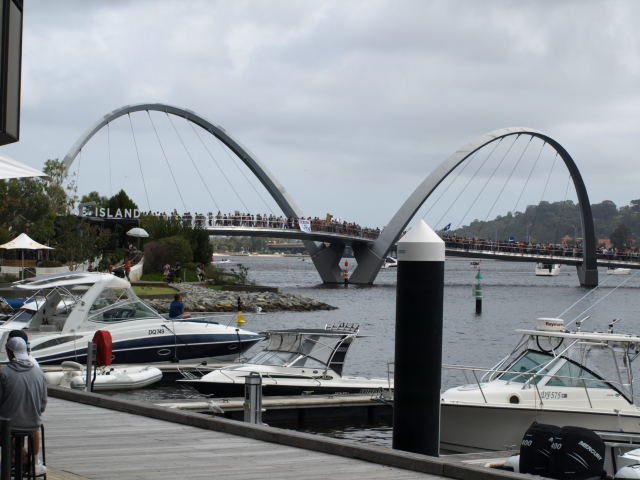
{"x":23,"y":335}
{"x":23,"y":389}
{"x":23,"y":394}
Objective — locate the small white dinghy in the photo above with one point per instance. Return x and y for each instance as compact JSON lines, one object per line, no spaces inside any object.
{"x":73,"y":375}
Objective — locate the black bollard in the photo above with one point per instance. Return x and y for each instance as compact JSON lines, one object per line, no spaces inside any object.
{"x":418,"y":348}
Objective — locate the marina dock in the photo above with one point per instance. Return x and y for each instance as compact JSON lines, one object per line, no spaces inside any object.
{"x":98,"y":437}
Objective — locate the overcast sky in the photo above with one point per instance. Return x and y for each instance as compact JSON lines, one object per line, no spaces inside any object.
{"x":349,"y":104}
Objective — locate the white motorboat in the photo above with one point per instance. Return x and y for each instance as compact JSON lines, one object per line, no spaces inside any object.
{"x":67,"y":309}
{"x":548,"y":269}
{"x":552,"y":376}
{"x":390,"y":262}
{"x":123,"y":377}
{"x":294,"y":362}
{"x":618,"y":271}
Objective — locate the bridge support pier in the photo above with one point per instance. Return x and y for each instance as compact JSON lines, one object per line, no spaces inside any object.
{"x":588,"y":276}
{"x":327,"y":260}
{"x":369,"y":265}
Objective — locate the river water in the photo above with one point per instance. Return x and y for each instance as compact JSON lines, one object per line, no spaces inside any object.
{"x":513,"y":298}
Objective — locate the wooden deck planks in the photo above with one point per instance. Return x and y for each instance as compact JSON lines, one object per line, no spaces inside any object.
{"x":102,"y":444}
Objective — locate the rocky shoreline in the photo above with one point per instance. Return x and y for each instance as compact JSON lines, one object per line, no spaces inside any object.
{"x":202,"y":299}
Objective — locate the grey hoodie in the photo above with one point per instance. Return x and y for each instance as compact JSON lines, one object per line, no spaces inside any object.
{"x":23,"y":395}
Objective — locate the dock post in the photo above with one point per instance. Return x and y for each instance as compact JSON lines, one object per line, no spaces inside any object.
{"x":90,"y":358}
{"x":418,"y":345}
{"x":253,"y":398}
{"x":5,"y":469}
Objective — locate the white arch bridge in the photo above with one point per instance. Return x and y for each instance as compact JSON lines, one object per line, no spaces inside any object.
{"x":326,"y":248}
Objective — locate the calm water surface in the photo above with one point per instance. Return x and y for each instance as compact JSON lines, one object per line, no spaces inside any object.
{"x":513,"y":298}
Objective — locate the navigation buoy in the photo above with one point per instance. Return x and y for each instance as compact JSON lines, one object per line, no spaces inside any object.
{"x":240,"y":315}
{"x":346,"y":263}
{"x":346,"y":277}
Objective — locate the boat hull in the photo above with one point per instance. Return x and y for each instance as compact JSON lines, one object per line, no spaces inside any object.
{"x":223,"y":390}
{"x":469,"y":428}
{"x":136,"y":352}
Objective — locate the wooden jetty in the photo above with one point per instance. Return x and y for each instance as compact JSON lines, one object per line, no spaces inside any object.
{"x":295,"y":410}
{"x":99,"y":437}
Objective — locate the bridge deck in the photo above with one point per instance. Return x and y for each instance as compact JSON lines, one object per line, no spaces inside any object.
{"x":534,"y":258}
{"x":288,"y":233}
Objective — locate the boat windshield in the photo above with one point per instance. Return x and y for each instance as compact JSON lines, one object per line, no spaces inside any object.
{"x":23,"y":316}
{"x":123,"y":311}
{"x":569,"y":375}
{"x":274,"y":358}
{"x":285,"y":359}
{"x":525,"y":367}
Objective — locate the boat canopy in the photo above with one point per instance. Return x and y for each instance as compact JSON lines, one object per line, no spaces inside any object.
{"x":586,"y":357}
{"x":329,"y":347}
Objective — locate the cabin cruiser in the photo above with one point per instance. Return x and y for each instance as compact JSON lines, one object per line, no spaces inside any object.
{"x":390,"y":262}
{"x":548,"y":269}
{"x":294,"y":362}
{"x":65,"y":310}
{"x":552,"y":376}
{"x":618,"y":271}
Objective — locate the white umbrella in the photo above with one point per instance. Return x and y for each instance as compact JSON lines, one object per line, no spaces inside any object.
{"x":24,"y":242}
{"x":138,"y":232}
{"x":10,"y":168}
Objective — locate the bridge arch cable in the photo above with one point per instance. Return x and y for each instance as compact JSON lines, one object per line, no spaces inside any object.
{"x":472,"y":177}
{"x":544,"y":191}
{"x":109,"y":152}
{"x":561,"y":216}
{"x":78,"y":172}
{"x":466,"y":164}
{"x":245,"y":177}
{"x":139,"y":162}
{"x":507,"y":181}
{"x":166,"y":160}
{"x":521,"y":192}
{"x":217,"y":165}
{"x":191,"y":158}
{"x":471,"y":204}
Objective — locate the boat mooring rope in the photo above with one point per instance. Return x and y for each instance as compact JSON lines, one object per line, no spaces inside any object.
{"x":586,"y":310}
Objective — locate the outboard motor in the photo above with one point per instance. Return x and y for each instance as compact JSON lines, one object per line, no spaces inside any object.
{"x":535,"y":449}
{"x":577,"y":454}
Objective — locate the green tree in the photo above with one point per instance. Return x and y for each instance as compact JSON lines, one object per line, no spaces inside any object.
{"x":201,"y":245}
{"x":121,"y":201}
{"x":25,"y":206}
{"x":77,"y":241}
{"x":100,"y":201}
{"x":178,"y":249}
{"x":621,"y":237}
{"x":61,"y":190}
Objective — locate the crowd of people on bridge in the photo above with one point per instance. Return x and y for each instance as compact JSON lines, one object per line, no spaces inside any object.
{"x":539,"y":249}
{"x":238,"y":219}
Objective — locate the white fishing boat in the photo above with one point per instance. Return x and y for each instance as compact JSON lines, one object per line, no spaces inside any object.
{"x":548,"y":269}
{"x":123,"y":377}
{"x":67,"y":309}
{"x":552,"y":376}
{"x":618,"y":271}
{"x":390,"y":262}
{"x":294,"y":362}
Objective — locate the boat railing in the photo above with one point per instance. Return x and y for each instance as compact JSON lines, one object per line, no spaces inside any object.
{"x":532,"y":381}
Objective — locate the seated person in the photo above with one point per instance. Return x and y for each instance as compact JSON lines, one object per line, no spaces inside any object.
{"x":176,"y":309}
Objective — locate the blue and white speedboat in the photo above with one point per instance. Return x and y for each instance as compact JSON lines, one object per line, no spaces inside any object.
{"x":67,"y":309}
